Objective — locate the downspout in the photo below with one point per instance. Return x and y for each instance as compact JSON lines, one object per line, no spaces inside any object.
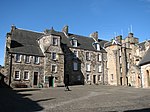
{"x":10,"y":69}
{"x":141,"y":77}
{"x":103,"y":68}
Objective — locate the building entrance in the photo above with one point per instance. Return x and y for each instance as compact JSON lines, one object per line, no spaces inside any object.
{"x":51,"y":81}
{"x":35,"y":78}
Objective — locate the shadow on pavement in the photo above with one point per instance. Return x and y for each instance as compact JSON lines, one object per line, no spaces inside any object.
{"x":12,"y":101}
{"x":139,"y":110}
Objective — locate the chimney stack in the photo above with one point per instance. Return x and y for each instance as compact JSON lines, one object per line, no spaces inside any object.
{"x":65,"y":29}
{"x":13,"y":27}
{"x":94,"y":35}
{"x":130,"y":35}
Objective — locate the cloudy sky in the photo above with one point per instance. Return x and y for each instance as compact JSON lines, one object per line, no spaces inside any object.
{"x":108,"y":17}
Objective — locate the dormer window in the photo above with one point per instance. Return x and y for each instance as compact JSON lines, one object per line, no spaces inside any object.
{"x":18,"y":58}
{"x":97,"y":46}
{"x":36,"y":60}
{"x":74,"y":42}
{"x":55,"y":41}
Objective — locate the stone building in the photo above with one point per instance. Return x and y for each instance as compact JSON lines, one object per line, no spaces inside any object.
{"x":122,"y":66}
{"x":144,"y":64}
{"x":52,"y":58}
{"x":128,"y":62}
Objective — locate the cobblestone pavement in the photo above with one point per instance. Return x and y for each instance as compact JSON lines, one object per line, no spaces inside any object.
{"x":87,"y":98}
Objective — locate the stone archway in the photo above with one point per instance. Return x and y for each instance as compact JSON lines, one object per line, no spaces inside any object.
{"x":148,"y":77}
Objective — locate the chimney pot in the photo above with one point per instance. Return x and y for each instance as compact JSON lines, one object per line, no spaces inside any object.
{"x":65,"y":29}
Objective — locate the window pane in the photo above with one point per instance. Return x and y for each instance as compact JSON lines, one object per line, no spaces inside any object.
{"x":75,"y":54}
{"x":18,"y":57}
{"x":55,"y":41}
{"x":36,"y":60}
{"x":99,"y":57}
{"x":54,"y":56}
{"x":75,"y":66}
{"x":87,"y":67}
{"x":87,"y":56}
{"x":27,"y":59}
{"x":26,"y":75}
{"x":88,"y":77}
{"x":54,"y":68}
{"x":17,"y":75}
{"x":99,"y":68}
{"x":74,"y":43}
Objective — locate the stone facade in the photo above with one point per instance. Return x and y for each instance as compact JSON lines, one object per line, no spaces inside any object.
{"x":55,"y":59}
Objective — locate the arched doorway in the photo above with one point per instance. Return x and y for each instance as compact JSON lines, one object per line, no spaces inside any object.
{"x":148,"y":77}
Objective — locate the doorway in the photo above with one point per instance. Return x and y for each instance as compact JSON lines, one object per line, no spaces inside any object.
{"x":148,"y":78}
{"x":35,"y":78}
{"x":94,"y":79}
{"x":51,"y":81}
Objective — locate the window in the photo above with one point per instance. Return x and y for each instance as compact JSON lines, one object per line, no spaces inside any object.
{"x":54,"y":56}
{"x":26,"y":75}
{"x":88,"y":77}
{"x":99,"y":68}
{"x":99,"y":57}
{"x":17,"y":75}
{"x":36,"y":60}
{"x":88,"y":56}
{"x":54,"y":68}
{"x":18,"y":58}
{"x":75,"y":54}
{"x":55,"y":41}
{"x":27,"y":59}
{"x":97,"y":46}
{"x":99,"y":78}
{"x":74,"y":42}
{"x":121,"y":69}
{"x":75,"y":66}
{"x":112,"y":76}
{"x":88,"y":67}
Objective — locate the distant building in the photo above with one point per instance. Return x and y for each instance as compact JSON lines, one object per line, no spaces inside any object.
{"x":53,"y":58}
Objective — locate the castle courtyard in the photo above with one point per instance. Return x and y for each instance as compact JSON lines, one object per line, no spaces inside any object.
{"x":88,"y":98}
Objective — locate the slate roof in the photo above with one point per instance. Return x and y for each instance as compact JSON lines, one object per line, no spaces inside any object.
{"x":142,"y":45}
{"x":84,"y":42}
{"x":145,"y":59}
{"x":25,"y":42}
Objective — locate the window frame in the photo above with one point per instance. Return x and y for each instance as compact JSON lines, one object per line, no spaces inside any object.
{"x":75,"y":54}
{"x":88,"y":78}
{"x":19,"y":77}
{"x":99,"y":68}
{"x":29,"y":59}
{"x":36,"y":60}
{"x":25,"y":74}
{"x":75,"y":66}
{"x":55,"y":68}
{"x":88,"y":67}
{"x":18,"y":59}
{"x":54,"y":56}
{"x":74,"y":42}
{"x":55,"y":41}
{"x":99,"y":57}
{"x":88,"y":56}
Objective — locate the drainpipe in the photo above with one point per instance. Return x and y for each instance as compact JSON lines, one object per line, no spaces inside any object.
{"x":10,"y":69}
{"x":103,"y":68}
{"x":141,"y":77}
